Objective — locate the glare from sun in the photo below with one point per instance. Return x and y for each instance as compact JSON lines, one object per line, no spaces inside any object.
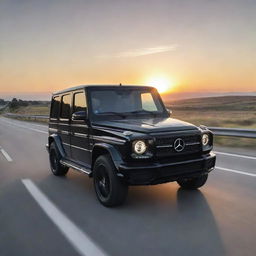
{"x":162,"y":84}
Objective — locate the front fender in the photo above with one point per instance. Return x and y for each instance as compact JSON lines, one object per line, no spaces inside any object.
{"x":114,"y":153}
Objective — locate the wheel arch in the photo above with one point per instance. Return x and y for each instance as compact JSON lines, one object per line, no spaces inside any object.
{"x":57,"y":140}
{"x":103,"y":149}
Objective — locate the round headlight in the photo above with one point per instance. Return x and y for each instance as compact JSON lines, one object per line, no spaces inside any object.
{"x":205,"y":139}
{"x":139,"y":147}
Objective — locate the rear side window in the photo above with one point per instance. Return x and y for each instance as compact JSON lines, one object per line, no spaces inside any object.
{"x":55,"y":107}
{"x":79,"y":102}
{"x":65,"y":106}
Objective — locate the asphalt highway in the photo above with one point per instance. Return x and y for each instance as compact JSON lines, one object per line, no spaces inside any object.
{"x":41,"y":214}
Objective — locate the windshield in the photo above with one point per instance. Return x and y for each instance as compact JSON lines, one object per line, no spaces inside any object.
{"x":124,"y":102}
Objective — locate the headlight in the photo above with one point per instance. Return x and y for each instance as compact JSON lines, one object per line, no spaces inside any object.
{"x":139,"y":147}
{"x":205,"y":139}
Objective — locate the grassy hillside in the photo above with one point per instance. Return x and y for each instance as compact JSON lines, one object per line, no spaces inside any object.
{"x":229,"y":111}
{"x":41,"y":109}
{"x":226,"y":103}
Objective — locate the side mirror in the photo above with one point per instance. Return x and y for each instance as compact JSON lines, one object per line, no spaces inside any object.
{"x":79,"y":115}
{"x":169,"y":111}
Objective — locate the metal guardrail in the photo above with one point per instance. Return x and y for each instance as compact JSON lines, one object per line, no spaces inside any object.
{"x":234,"y":132}
{"x":219,"y":131}
{"x":2,"y":107}
{"x":29,"y":117}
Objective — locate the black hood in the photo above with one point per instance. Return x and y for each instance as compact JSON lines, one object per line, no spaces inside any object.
{"x":147,"y":125}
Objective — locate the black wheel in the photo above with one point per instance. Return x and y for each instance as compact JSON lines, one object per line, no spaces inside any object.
{"x":56,"y":167}
{"x":110,"y":190}
{"x":193,"y":183}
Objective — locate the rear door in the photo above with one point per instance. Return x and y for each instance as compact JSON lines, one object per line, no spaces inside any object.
{"x":64,"y":122}
{"x":54,"y":114}
{"x":80,"y":148}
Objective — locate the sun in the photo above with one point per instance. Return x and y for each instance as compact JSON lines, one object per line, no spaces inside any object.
{"x":162,"y":84}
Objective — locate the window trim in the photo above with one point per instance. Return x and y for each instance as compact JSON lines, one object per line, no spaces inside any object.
{"x":73,"y":100}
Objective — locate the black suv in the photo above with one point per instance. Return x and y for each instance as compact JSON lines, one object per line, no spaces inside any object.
{"x":123,"y":135}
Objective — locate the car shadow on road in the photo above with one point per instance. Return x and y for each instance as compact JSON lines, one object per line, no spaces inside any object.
{"x":155,"y":220}
{"x":184,"y":217}
{"x":195,"y":223}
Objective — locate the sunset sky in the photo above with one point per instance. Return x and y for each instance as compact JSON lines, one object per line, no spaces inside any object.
{"x":180,"y":46}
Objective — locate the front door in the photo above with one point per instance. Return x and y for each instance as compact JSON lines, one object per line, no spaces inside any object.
{"x":80,"y":148}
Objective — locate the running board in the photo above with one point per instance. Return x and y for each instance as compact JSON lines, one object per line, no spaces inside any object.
{"x":76,"y":167}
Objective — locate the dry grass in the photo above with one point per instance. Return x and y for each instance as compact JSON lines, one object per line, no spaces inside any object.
{"x":234,"y":111}
{"x":242,"y":119}
{"x":227,"y":103}
{"x":236,"y":119}
{"x":33,"y":110}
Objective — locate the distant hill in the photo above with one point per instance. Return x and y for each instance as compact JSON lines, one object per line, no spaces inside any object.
{"x":225,"y":103}
{"x":192,"y":95}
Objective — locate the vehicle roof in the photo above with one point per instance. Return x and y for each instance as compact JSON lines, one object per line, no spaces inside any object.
{"x":100,"y":86}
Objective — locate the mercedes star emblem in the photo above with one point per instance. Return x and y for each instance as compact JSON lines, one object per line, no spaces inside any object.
{"x":179,"y":145}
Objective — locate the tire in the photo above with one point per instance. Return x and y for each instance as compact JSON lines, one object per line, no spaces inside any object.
{"x":193,"y":183}
{"x":110,"y":190}
{"x":56,"y":167}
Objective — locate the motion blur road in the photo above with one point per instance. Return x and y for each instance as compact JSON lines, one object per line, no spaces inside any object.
{"x":218,"y":219}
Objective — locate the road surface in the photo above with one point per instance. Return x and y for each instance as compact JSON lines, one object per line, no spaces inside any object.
{"x":41,"y":214}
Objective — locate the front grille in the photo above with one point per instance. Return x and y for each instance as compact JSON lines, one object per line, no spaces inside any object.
{"x":165,"y":145}
{"x":170,"y":140}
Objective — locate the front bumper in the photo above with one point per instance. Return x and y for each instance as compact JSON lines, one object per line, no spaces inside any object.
{"x":156,"y":173}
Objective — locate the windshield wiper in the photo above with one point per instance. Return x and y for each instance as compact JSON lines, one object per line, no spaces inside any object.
{"x":112,"y":113}
{"x":142,"y":111}
{"x":124,"y":114}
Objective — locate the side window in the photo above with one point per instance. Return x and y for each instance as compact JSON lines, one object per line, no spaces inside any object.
{"x":65,"y":106}
{"x":148,"y":102}
{"x":79,"y":102}
{"x":55,"y":107}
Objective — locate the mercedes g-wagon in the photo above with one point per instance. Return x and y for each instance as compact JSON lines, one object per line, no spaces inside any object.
{"x":124,"y":135}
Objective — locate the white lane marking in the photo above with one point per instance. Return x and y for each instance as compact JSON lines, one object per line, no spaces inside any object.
{"x":235,"y":155}
{"x":81,"y":242}
{"x":36,"y":130}
{"x":6,"y":155}
{"x":25,"y":127}
{"x":236,"y":171}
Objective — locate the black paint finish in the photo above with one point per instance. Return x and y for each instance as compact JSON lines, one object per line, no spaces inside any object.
{"x":82,"y":141}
